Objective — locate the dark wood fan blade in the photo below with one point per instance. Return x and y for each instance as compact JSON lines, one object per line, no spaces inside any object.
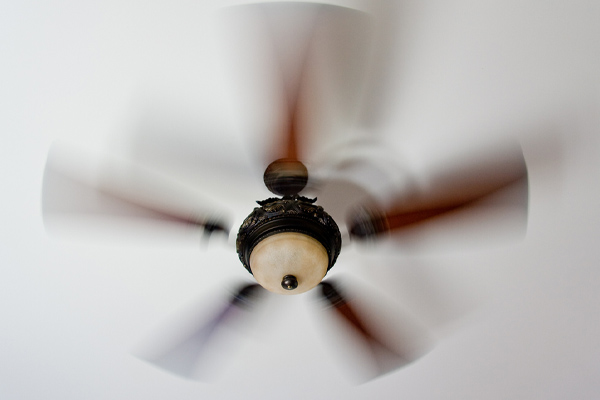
{"x":461,"y":185}
{"x":78,"y":185}
{"x":291,"y":27}
{"x":183,"y":353}
{"x":289,"y":136}
{"x":321,"y":51}
{"x":386,"y":357}
{"x":299,"y":73}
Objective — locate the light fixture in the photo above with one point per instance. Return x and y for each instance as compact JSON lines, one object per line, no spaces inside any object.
{"x":288,"y":243}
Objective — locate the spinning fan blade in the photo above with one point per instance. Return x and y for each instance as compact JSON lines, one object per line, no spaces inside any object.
{"x":187,"y":351}
{"x":294,"y":55}
{"x":286,"y":174}
{"x":394,"y":352}
{"x":78,"y":186}
{"x":299,"y":74}
{"x":291,"y":27}
{"x":463,"y":184}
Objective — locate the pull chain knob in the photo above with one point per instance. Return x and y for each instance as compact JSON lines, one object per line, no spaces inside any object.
{"x":289,"y":282}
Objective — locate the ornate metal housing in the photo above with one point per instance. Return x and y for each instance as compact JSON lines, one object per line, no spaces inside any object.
{"x":288,"y":214}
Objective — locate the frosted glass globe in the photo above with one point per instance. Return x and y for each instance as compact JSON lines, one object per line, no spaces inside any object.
{"x":289,"y":253}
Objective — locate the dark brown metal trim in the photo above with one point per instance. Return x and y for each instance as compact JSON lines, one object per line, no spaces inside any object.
{"x":288,"y":214}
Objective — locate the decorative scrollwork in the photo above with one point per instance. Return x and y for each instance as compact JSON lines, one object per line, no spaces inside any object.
{"x":288,"y":214}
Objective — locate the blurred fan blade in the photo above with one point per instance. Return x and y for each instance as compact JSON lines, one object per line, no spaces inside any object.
{"x":186,"y":351}
{"x":459,"y":185}
{"x":292,"y":30}
{"x":333,"y":81}
{"x":78,"y":186}
{"x":395,"y":351}
{"x":298,"y":70}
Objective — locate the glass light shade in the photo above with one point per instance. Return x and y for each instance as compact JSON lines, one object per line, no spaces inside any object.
{"x":289,"y":253}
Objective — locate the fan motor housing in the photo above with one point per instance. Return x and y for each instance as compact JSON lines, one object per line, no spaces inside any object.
{"x":291,"y":237}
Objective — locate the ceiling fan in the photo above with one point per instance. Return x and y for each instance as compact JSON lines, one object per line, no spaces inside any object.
{"x":289,"y":242}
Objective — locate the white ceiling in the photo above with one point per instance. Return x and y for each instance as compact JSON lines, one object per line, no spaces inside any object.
{"x":72,"y":312}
